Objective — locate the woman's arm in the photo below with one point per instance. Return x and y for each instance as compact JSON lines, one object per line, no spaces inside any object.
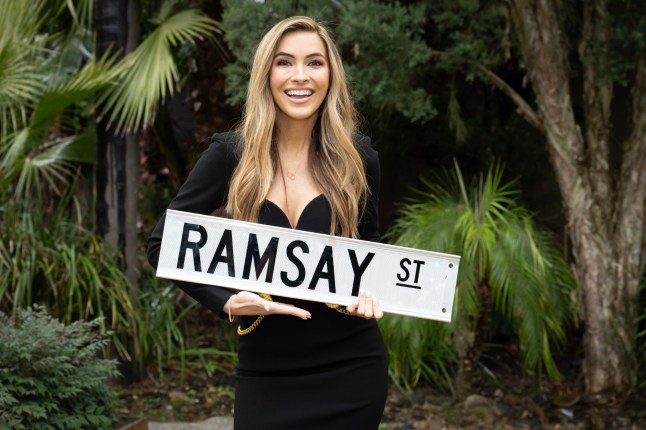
{"x":369,"y":221}
{"x":204,"y":191}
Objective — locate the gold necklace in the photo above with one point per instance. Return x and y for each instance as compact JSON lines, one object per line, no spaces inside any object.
{"x":290,"y":175}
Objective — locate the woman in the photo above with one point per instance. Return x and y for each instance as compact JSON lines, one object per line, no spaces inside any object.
{"x":296,"y":162}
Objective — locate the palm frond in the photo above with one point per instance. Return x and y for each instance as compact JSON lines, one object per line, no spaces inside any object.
{"x":149,"y":73}
{"x":30,"y":157}
{"x":20,"y":54}
{"x":501,"y":247}
{"x":78,"y":13}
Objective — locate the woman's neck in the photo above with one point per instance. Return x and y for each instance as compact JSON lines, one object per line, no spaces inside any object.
{"x":294,"y":136}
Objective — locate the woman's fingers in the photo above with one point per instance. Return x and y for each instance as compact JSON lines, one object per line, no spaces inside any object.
{"x":287,"y":309}
{"x":366,"y":306}
{"x":367,"y":311}
{"x":376,"y":308}
{"x":247,"y":303}
{"x":361,"y":309}
{"x":352,"y":307}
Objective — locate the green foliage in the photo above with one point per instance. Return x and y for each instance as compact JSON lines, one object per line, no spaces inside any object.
{"x":470,"y":30}
{"x":501,"y":248}
{"x":418,"y":349}
{"x":381,"y":44}
{"x":50,"y":84}
{"x":50,"y":373}
{"x":627,"y":37}
{"x":52,"y":259}
{"x":161,"y":324}
{"x":149,"y":73}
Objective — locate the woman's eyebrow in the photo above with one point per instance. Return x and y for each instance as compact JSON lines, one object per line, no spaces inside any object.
{"x":285,"y":54}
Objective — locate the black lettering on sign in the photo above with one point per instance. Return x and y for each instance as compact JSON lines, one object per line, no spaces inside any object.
{"x":403,"y":263}
{"x":358,"y":269}
{"x":193,"y":246}
{"x":298,"y":263}
{"x":403,"y":277}
{"x":327,"y":260}
{"x":418,"y":263}
{"x":253,"y":253}
{"x":225,"y":243}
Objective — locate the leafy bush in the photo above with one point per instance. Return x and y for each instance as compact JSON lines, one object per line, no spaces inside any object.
{"x":161,"y":324}
{"x":53,"y":259}
{"x":418,"y":349}
{"x":50,"y":374}
{"x":381,"y":44}
{"x":508,"y":264}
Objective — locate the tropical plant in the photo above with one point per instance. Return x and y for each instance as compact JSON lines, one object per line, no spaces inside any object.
{"x":50,"y":85}
{"x":46,"y":99}
{"x":576,"y":73}
{"x":418,"y":349}
{"x":51,"y":375}
{"x":53,"y":259}
{"x":161,"y":324}
{"x":507,"y":263}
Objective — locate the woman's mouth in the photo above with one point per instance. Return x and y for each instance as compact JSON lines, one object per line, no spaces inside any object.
{"x":299,"y":94}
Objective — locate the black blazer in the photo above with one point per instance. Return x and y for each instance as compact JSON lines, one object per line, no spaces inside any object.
{"x":206,"y":189}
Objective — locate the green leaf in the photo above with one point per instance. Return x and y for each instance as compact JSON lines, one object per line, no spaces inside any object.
{"x":148,"y":74}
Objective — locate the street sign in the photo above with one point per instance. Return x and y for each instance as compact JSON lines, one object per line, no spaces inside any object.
{"x":303,"y":265}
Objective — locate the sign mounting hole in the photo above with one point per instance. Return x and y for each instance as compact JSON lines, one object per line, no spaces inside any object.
{"x":443,"y":310}
{"x":450,"y":264}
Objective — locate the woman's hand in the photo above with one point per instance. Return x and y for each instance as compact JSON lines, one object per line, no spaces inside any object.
{"x":365,"y":306}
{"x":247,"y":303}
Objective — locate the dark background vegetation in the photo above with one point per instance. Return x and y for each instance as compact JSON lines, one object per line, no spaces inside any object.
{"x":414,"y":72}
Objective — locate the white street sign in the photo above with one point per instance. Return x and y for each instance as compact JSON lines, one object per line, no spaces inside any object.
{"x":310,"y":266}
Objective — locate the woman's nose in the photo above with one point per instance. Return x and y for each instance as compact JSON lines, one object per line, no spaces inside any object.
{"x":300,"y":73}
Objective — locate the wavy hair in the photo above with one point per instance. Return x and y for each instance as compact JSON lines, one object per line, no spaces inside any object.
{"x":336,"y":166}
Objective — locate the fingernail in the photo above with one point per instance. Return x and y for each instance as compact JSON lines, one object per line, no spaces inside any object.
{"x":267,"y":308}
{"x":367,"y":294}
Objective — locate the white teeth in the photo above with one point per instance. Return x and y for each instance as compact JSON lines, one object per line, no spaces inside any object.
{"x":299,"y":92}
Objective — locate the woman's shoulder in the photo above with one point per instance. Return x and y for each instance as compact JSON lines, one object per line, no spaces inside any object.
{"x":227,"y":140}
{"x":224,"y":144}
{"x":366,"y":148}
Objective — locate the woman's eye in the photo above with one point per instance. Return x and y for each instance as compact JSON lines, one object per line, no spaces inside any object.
{"x":282,"y":63}
{"x":316,"y":63}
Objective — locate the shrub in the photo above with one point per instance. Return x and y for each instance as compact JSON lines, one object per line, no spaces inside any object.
{"x":52,"y":258}
{"x":51,"y":376}
{"x":510,"y":269}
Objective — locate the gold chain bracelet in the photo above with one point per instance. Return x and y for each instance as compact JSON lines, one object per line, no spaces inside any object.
{"x":256,"y":323}
{"x":258,"y":320}
{"x":339,"y":309}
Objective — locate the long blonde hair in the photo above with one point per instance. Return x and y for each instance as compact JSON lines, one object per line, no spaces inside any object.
{"x":337,"y":166}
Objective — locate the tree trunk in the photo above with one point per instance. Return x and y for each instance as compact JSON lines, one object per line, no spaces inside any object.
{"x":605,"y":207}
{"x":117,"y":160}
{"x":111,"y":36}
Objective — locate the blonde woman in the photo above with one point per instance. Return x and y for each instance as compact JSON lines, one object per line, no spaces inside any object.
{"x":297,"y":162}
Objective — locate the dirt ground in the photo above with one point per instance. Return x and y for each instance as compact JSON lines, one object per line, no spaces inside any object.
{"x":508,"y":402}
{"x":500,"y":396}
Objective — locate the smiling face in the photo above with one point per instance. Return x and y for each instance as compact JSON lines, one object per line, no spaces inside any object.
{"x":299,"y":76}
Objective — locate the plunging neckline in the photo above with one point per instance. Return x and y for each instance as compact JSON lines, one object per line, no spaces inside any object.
{"x":298,"y":219}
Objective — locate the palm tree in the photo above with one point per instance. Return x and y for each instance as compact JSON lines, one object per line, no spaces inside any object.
{"x":47,"y":94}
{"x":508,"y":265}
{"x":51,"y":83}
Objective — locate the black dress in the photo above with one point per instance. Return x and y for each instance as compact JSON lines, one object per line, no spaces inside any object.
{"x":329,"y":372}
